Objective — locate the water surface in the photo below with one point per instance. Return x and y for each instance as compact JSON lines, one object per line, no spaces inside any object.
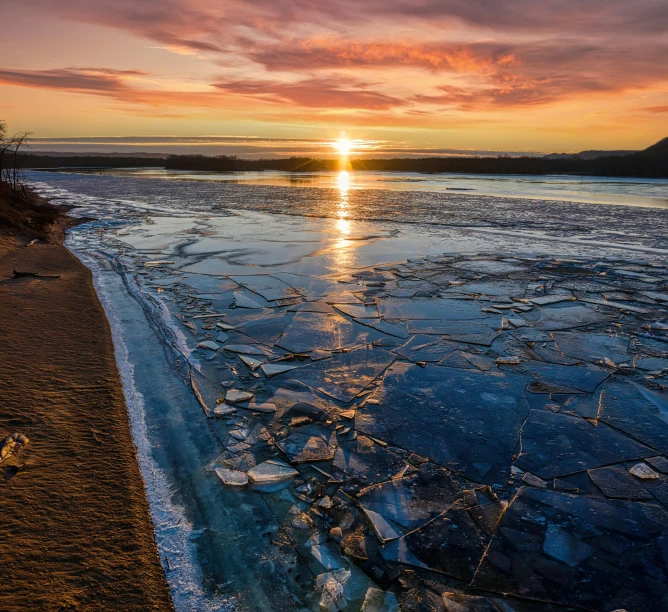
{"x":587,"y":189}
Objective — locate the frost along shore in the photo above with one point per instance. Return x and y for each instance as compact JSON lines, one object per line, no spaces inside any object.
{"x":367,"y":400}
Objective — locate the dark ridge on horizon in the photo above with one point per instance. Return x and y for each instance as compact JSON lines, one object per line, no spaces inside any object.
{"x":651,"y":162}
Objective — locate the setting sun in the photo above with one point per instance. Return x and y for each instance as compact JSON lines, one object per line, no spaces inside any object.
{"x":343,"y":146}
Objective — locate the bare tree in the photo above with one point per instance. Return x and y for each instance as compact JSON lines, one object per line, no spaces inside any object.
{"x":10,"y":149}
{"x":18,"y":141}
{"x":4,"y":146}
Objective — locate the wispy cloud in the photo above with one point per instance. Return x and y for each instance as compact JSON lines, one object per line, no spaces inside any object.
{"x":381,"y":62}
{"x":315,"y":93}
{"x":96,"y":80}
{"x":247,"y":146}
{"x":344,"y":93}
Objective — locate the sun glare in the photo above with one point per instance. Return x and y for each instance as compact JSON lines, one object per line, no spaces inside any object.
{"x":343,"y":145}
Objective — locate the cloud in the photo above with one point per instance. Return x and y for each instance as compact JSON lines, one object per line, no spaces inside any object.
{"x":344,"y":93}
{"x":97,"y":80}
{"x":314,"y":93}
{"x":313,"y":53}
{"x":509,"y":53}
{"x":656,"y":110}
{"x":205,"y":24}
{"x":251,"y":147}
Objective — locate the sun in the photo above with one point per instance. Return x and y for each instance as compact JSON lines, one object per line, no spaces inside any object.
{"x":343,"y":146}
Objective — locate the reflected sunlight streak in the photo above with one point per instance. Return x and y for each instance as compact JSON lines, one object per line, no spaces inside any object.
{"x":343,"y":225}
{"x":342,"y":246}
{"x":343,"y":182}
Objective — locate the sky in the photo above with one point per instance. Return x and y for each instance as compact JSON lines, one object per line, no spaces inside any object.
{"x":283,"y":77}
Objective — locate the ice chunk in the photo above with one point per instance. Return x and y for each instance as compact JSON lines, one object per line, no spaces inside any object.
{"x":269,"y":287}
{"x":304,"y":447}
{"x":409,"y":502}
{"x":473,"y":418}
{"x":272,"y":369}
{"x":224,"y":410}
{"x":615,"y":482}
{"x":554,"y":445}
{"x":346,"y":374}
{"x":250,"y":361}
{"x":428,"y":308}
{"x":551,"y":299}
{"x":637,"y":411}
{"x":311,"y":331}
{"x":489,"y":266}
{"x":643,"y":471}
{"x":426,"y":348}
{"x":380,"y":601}
{"x":243,"y":301}
{"x":321,"y":307}
{"x":390,"y":329}
{"x":271,"y":473}
{"x":569,"y":317}
{"x":452,"y":543}
{"x":593,"y":347}
{"x":366,"y":462}
{"x":561,"y":545}
{"x":266,"y":407}
{"x":618,"y":305}
{"x":326,"y":557}
{"x":508,"y":360}
{"x":332,"y":598}
{"x":247,"y":349}
{"x":567,"y":378}
{"x":577,"y":550}
{"x":385,"y":529}
{"x":232,"y":477}
{"x":235,"y":395}
{"x":503,"y":287}
{"x":358,"y":311}
{"x":209,"y":344}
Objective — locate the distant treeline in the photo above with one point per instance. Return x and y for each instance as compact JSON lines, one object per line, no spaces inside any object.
{"x":651,"y":163}
{"x":35,"y":160}
{"x":638,"y":165}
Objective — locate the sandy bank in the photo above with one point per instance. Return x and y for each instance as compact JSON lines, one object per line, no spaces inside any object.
{"x":75,"y":526}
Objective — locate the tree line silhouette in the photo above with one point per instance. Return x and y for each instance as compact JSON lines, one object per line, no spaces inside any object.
{"x":650,"y":163}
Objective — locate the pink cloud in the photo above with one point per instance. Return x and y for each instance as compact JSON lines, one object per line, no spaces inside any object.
{"x":312,"y":93}
{"x":102,"y":80}
{"x":511,"y":53}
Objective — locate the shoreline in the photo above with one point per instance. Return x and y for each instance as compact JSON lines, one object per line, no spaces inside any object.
{"x":77,"y":533}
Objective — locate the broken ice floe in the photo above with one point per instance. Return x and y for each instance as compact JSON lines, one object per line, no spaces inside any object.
{"x":499,"y":421}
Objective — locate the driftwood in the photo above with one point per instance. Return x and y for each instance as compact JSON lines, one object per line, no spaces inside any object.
{"x":31,"y":275}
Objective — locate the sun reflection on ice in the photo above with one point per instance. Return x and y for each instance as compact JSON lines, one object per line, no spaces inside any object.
{"x":343,"y":246}
{"x":343,"y":182}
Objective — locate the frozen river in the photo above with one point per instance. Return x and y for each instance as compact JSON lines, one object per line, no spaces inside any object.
{"x":379,"y":390}
{"x":587,"y":189}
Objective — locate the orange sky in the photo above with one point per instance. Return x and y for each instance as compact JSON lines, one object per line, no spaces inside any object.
{"x":401,"y":75}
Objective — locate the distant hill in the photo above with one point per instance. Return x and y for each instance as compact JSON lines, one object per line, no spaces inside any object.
{"x":589,"y":154}
{"x":660,"y":148}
